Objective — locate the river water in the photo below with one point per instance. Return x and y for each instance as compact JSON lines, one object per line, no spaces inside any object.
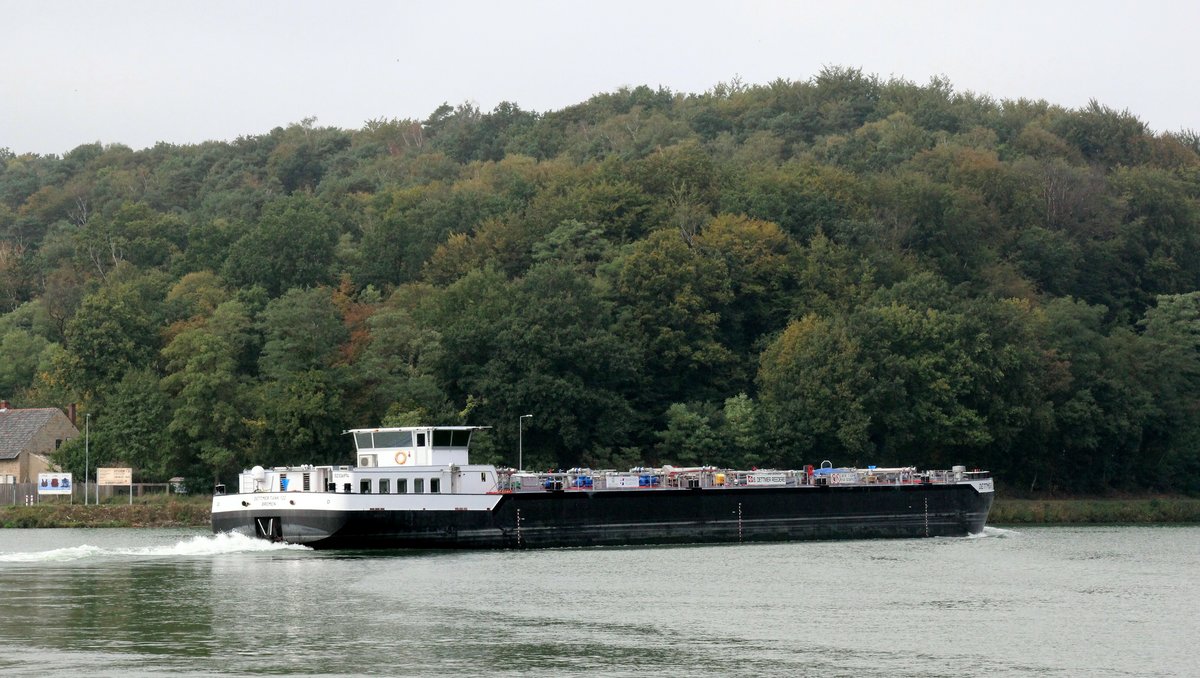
{"x":1060,"y":601}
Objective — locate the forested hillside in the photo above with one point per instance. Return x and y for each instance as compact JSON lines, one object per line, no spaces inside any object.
{"x":848,"y":268}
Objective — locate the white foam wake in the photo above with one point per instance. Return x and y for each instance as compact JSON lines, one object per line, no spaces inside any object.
{"x":998,"y":532}
{"x":204,"y":545}
{"x":54,"y":556}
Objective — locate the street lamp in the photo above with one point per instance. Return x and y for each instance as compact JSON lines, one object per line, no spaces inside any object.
{"x":87,"y":443}
{"x":521,"y":440}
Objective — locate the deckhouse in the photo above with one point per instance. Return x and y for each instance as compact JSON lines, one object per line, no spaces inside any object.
{"x":413,"y":445}
{"x":396,"y":460}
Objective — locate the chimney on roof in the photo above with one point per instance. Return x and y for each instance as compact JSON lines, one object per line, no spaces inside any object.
{"x":71,"y":413}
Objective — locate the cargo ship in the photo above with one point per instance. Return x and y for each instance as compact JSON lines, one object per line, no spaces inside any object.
{"x":414,"y":487}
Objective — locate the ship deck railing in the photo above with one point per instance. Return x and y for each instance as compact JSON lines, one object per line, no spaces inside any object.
{"x":714,"y":478}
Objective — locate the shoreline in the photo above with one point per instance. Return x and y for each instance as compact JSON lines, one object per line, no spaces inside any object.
{"x":1080,"y":511}
{"x":196,"y":512}
{"x":171,"y":513}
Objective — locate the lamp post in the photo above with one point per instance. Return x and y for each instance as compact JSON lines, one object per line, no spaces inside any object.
{"x":87,"y":452}
{"x":521,"y":441}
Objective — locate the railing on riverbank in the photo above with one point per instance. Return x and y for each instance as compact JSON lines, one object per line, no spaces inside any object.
{"x":26,"y":494}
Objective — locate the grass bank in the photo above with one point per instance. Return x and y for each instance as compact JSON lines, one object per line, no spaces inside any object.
{"x":151,"y":512}
{"x":1079,"y":511}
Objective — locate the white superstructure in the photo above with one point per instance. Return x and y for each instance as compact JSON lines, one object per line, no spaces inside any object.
{"x":395,"y":460}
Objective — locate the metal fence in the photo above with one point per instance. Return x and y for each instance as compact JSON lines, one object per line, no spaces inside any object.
{"x":26,"y":494}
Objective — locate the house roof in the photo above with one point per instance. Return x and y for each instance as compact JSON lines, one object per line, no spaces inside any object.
{"x":17,"y":428}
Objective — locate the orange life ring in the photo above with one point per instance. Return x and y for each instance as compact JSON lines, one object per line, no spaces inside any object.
{"x":401,"y":457}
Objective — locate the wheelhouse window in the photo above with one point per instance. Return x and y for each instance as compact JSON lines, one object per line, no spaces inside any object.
{"x":418,"y":485}
{"x":451,"y":438}
{"x":384,"y":486}
{"x":372,"y":440}
{"x":393,"y":439}
{"x":420,"y":440}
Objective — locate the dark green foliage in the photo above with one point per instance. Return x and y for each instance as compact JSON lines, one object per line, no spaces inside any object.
{"x":303,"y":331}
{"x":844,"y":267}
{"x":671,"y":294}
{"x":291,"y":246}
{"x":129,"y":430}
{"x":115,"y":329}
{"x":543,"y":344}
{"x":1105,"y":136}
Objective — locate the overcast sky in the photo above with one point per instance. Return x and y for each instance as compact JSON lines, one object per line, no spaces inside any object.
{"x":137,"y":72}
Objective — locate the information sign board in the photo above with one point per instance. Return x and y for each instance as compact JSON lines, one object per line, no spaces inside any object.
{"x":54,"y":483}
{"x":114,"y":476}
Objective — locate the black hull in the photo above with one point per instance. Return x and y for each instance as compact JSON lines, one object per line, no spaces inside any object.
{"x":577,"y":518}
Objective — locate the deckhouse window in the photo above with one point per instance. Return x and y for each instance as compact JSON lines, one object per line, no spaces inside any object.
{"x":384,"y":484}
{"x":418,"y":485}
{"x":443,"y":438}
{"x":364,"y":486}
{"x":393,"y":439}
{"x":402,"y":486}
{"x":435,"y":485}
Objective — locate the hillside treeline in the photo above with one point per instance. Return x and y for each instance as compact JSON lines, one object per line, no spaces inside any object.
{"x":847,"y":268}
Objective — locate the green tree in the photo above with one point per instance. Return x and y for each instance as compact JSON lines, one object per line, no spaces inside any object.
{"x":135,"y":234}
{"x":131,"y":429}
{"x":672,"y":297}
{"x":1090,"y":428}
{"x":757,"y":256}
{"x":689,"y":439}
{"x":397,"y":368}
{"x":114,"y":330}
{"x":927,"y":378}
{"x":211,"y":414}
{"x":303,"y":415}
{"x":1172,"y":330}
{"x":878,"y":145}
{"x":291,"y":246}
{"x":742,"y":429}
{"x":813,"y":384}
{"x":544,"y":345}
{"x":1104,"y":135}
{"x":22,"y":353}
{"x":303,"y":331}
